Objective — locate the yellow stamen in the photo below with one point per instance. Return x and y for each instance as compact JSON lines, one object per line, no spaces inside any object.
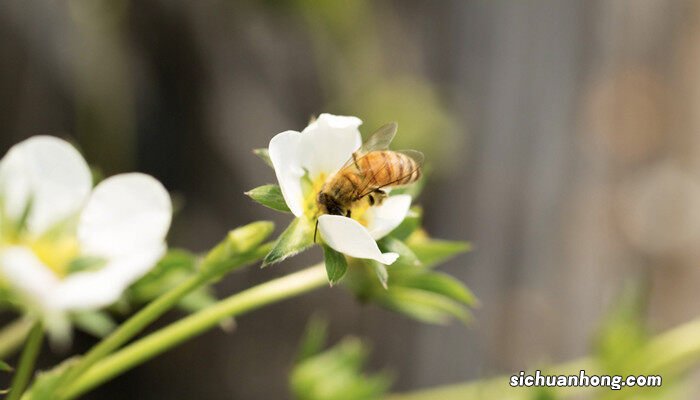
{"x":311,"y":209}
{"x":56,"y":254}
{"x":310,"y":205}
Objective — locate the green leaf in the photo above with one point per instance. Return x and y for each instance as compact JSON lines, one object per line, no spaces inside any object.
{"x":443,"y":284}
{"x":406,"y":255}
{"x":296,"y":238}
{"x":96,"y":323}
{"x":424,"y":306}
{"x":5,"y":367}
{"x":269,"y":196}
{"x":432,"y":252}
{"x":264,"y":155}
{"x":336,"y":264}
{"x":381,"y":272}
{"x":410,"y":223}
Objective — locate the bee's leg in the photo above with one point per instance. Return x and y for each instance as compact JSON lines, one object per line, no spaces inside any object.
{"x":347,"y":214}
{"x":371,"y":199}
{"x":379,"y":196}
{"x":315,"y":230}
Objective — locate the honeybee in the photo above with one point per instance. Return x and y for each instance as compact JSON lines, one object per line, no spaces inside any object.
{"x":370,"y":169}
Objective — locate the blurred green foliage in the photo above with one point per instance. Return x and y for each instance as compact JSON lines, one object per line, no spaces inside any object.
{"x":336,"y":373}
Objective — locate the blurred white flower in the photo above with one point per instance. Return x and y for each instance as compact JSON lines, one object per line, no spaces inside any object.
{"x":320,"y":150}
{"x":66,"y":247}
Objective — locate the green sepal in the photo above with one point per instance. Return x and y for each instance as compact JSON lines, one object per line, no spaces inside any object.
{"x":269,"y":196}
{"x":96,"y":323}
{"x":432,"y":252}
{"x":296,"y":238}
{"x":336,"y":264}
{"x":86,"y":263}
{"x":264,"y":155}
{"x":410,"y":224}
{"x":175,"y":266}
{"x":381,"y":272}
{"x":406,"y":255}
{"x":424,"y":306}
{"x":442,"y":284}
{"x":5,"y":367}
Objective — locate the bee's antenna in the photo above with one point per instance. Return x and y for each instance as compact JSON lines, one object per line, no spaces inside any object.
{"x":315,"y":230}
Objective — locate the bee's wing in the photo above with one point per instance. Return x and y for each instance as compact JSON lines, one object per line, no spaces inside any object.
{"x":416,"y":155}
{"x":379,"y":140}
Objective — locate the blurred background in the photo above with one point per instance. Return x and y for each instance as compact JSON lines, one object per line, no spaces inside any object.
{"x":563,"y":139}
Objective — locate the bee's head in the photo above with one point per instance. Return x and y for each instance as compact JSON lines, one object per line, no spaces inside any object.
{"x":329,"y":205}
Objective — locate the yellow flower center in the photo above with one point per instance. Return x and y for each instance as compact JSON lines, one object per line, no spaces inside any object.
{"x":57,"y":254}
{"x":56,"y":250}
{"x":311,"y":188}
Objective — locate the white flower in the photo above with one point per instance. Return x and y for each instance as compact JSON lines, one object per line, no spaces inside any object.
{"x":52,"y":221}
{"x":320,"y":150}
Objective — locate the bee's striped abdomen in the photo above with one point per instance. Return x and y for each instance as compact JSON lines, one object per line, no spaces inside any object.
{"x":388,"y":168}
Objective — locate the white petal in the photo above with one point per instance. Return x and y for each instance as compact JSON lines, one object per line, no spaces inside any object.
{"x":95,"y":289}
{"x":125,"y":213}
{"x":26,"y":273}
{"x":349,"y":237}
{"x":286,"y":156}
{"x":384,"y":218}
{"x":329,"y":142}
{"x":326,"y":120}
{"x":51,"y":173}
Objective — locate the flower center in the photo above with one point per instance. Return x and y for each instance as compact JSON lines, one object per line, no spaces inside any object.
{"x":311,"y":188}
{"x":56,"y":249}
{"x":57,"y":254}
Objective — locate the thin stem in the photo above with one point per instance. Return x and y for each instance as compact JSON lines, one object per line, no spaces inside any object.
{"x":13,"y":335}
{"x":131,"y":327}
{"x":197,"y":323}
{"x":26,"y":362}
{"x":148,"y":314}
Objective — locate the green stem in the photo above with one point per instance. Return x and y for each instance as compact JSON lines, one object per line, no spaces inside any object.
{"x":148,"y":314}
{"x":131,"y":327}
{"x":197,"y":323}
{"x":26,"y":362}
{"x":13,"y":335}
